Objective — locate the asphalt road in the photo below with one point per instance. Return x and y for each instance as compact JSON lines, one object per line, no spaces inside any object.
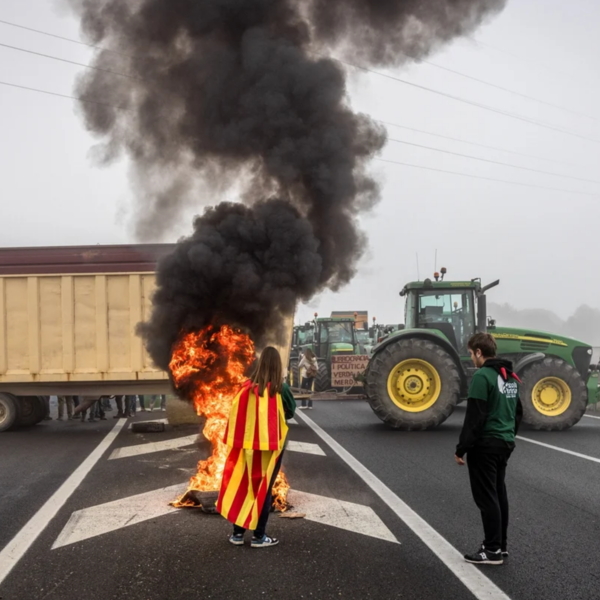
{"x":115,"y":536}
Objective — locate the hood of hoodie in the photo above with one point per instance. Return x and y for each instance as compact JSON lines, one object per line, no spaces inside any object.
{"x":502,"y":366}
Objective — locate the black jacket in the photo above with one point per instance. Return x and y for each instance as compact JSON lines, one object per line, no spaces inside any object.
{"x":477,"y":412}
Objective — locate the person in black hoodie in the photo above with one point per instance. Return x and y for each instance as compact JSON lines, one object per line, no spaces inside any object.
{"x":494,"y":412}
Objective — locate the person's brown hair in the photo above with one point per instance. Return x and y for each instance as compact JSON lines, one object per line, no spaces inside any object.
{"x":484,"y":342}
{"x":269,"y":370}
{"x":309,"y":354}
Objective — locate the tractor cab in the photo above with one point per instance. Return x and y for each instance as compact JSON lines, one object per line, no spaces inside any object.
{"x":454,"y":309}
{"x":334,"y":336}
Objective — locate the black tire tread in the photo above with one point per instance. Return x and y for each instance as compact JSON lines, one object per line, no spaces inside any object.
{"x":323,"y":378}
{"x":33,"y":410}
{"x":12,"y":404}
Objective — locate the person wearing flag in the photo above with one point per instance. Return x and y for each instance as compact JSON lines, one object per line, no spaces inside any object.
{"x":255,"y":434}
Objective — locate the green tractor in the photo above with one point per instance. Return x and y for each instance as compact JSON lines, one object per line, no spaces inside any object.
{"x":326,"y":337}
{"x":417,"y":376}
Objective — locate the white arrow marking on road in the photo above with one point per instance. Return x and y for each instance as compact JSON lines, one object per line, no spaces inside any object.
{"x":104,"y":518}
{"x":305,"y":447}
{"x":150,"y":447}
{"x":339,"y":513}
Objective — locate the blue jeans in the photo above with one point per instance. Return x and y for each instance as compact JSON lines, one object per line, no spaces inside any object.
{"x":259,"y":532}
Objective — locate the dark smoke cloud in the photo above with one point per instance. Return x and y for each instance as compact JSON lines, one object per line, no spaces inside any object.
{"x":226,"y":96}
{"x":245,"y":267}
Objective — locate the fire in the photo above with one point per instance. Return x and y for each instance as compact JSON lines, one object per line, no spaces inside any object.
{"x":281,"y":487}
{"x":208,"y":367}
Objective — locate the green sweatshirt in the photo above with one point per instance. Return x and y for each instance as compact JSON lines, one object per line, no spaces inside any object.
{"x":289,"y":404}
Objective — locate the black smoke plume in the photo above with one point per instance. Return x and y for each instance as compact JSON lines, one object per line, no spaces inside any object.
{"x":218,"y":97}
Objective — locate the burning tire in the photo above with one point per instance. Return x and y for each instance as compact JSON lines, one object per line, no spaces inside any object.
{"x":150,"y":427}
{"x":413,"y":384}
{"x":554,"y":395}
{"x":9,"y":411}
{"x":32,"y":410}
{"x":323,"y":378}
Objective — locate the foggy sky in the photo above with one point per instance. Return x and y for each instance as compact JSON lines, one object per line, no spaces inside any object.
{"x":540,"y":243}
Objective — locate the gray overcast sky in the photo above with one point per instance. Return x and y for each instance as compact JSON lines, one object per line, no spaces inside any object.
{"x":540,"y":243}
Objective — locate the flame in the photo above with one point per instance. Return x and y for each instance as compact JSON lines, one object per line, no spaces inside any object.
{"x":281,"y":487}
{"x":208,"y":367}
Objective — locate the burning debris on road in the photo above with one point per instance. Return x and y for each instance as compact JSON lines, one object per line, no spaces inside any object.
{"x":209,"y":368}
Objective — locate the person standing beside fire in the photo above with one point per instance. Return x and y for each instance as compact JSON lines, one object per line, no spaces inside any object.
{"x":308,"y":368}
{"x":256,"y":435}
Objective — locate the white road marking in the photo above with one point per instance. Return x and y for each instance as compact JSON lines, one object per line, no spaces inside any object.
{"x":559,"y":449}
{"x":305,"y":447}
{"x":292,"y":422}
{"x":341,"y":514}
{"x":104,"y":518}
{"x":471,"y":577}
{"x":165,"y":421}
{"x":17,"y":547}
{"x":153,"y":447}
{"x":591,"y":416}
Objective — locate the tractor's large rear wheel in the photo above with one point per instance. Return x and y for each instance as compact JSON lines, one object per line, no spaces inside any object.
{"x":294,"y":374}
{"x":323,"y":378}
{"x":554,"y":395}
{"x":413,"y":384}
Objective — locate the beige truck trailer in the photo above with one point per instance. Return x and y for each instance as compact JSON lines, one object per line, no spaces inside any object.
{"x":68,"y":317}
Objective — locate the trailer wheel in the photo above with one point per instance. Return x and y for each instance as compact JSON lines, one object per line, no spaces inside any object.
{"x":554,"y":395}
{"x":32,"y":410}
{"x":9,"y":411}
{"x":412,"y":384}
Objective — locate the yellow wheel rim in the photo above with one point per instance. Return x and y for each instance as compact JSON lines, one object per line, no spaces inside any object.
{"x":414,"y":385}
{"x":551,"y":396}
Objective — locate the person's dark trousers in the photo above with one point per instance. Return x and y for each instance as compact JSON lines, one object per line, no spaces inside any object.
{"x":486,"y":473}
{"x":307,"y":383}
{"x":259,"y":532}
{"x":121,"y":402}
{"x":130,"y":404}
{"x":75,"y":401}
{"x":100,"y":414}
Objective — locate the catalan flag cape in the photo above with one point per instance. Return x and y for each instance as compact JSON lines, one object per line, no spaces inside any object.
{"x":255,"y":434}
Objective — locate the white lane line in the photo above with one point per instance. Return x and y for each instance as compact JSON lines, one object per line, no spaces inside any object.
{"x":559,"y":449}
{"x":473,"y":579}
{"x":17,"y":547}
{"x":341,"y":514}
{"x":591,"y":416}
{"x":153,"y":447}
{"x":305,"y":447}
{"x":165,"y":421}
{"x":104,"y":518}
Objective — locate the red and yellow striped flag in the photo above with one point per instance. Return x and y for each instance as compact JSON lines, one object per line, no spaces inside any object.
{"x":256,"y":432}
